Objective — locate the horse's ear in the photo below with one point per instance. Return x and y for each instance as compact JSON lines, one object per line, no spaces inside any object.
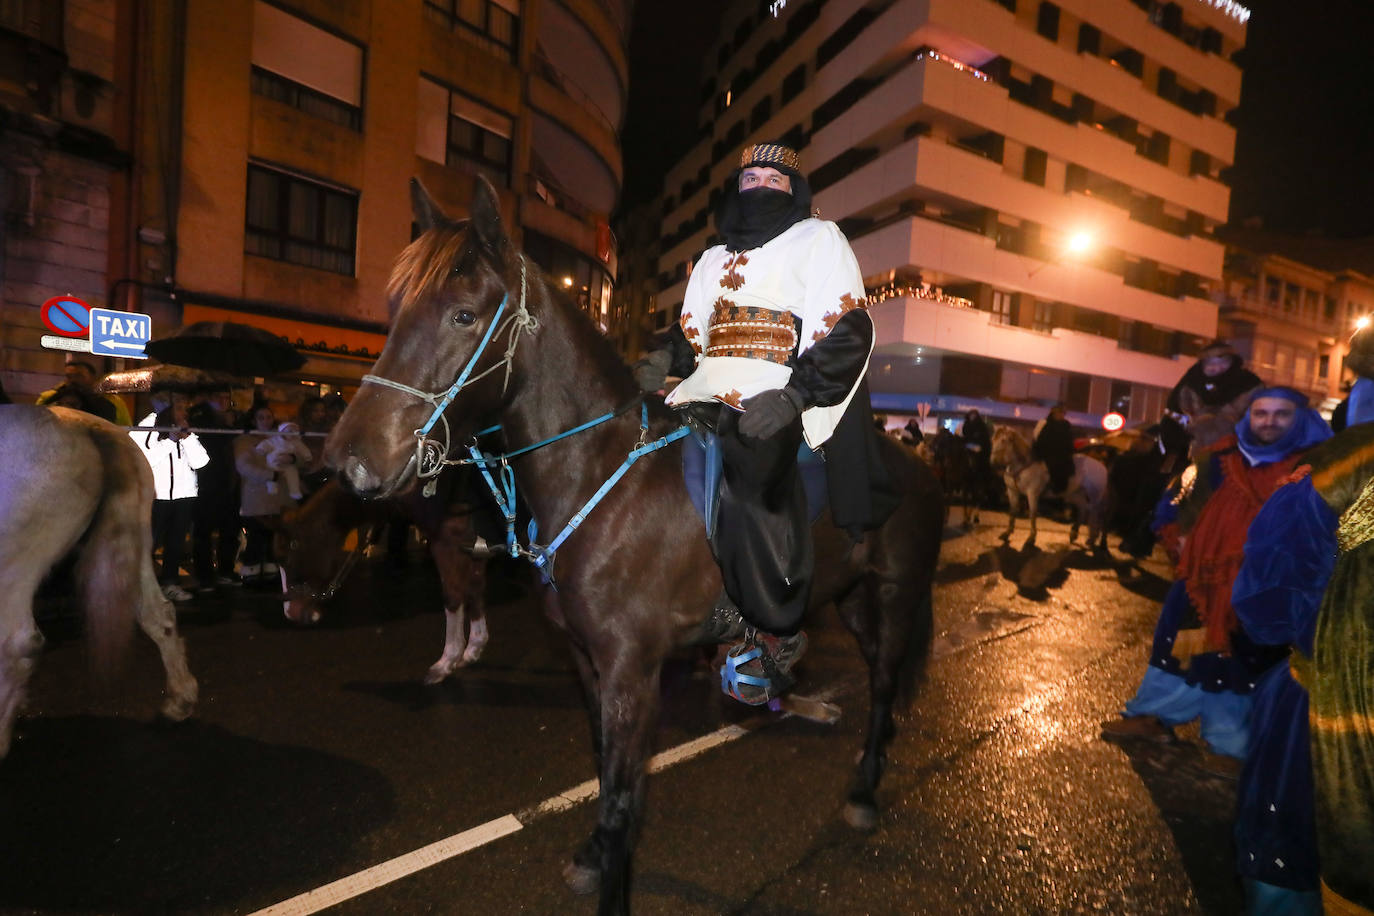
{"x":486,"y":219}
{"x":426,"y":211}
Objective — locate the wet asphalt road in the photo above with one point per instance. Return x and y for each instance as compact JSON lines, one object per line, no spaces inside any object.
{"x":316,"y":754}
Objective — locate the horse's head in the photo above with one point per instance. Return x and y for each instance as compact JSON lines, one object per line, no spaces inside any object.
{"x":460,"y":283}
{"x":316,"y":544}
{"x":1006,"y":447}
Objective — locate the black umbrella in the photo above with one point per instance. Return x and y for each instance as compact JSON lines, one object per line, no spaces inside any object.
{"x":227,"y":346}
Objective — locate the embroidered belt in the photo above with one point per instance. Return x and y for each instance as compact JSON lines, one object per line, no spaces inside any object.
{"x":1357,"y":522}
{"x":751,"y":332}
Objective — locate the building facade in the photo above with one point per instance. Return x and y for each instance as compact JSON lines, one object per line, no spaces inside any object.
{"x":271,"y":145}
{"x":1030,"y":187}
{"x":1292,"y":321}
{"x":64,"y":141}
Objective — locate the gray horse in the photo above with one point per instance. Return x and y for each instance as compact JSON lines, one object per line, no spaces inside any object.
{"x":1025,"y":475}
{"x":71,"y":481}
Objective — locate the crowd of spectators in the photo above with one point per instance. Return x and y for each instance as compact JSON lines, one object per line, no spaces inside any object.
{"x":222,"y":477}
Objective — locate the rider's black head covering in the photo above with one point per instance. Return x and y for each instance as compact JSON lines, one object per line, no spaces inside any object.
{"x":752,"y":218}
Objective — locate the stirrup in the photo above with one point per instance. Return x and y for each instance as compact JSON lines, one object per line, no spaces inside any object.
{"x":751,"y":689}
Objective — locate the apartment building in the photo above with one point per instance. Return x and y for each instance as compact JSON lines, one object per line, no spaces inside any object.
{"x":1290,"y":306}
{"x":270,"y":145}
{"x":1031,"y":187}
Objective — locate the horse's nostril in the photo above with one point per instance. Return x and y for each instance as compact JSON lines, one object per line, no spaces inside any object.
{"x":359,"y":477}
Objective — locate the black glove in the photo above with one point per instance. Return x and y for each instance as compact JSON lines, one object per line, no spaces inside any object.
{"x":651,"y":372}
{"x":766,"y":413}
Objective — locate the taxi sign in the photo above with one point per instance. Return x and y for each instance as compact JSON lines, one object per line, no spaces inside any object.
{"x":120,"y":333}
{"x":1113,"y":421}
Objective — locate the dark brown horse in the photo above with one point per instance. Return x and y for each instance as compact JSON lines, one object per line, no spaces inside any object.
{"x":637,"y":579}
{"x":315,"y":561}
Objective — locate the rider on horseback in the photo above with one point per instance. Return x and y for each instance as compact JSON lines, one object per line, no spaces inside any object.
{"x":772,"y":347}
{"x":1054,"y":445}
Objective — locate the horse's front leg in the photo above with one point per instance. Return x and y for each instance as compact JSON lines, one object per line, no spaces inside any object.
{"x":455,"y":642}
{"x":1032,"y":512}
{"x":629,"y":709}
{"x":1076,"y":504}
{"x":1013,"y":504}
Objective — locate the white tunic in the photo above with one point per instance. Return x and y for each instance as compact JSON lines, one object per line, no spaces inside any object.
{"x":808,"y":270}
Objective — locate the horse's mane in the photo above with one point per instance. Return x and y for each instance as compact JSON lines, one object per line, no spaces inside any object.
{"x":423,"y":265}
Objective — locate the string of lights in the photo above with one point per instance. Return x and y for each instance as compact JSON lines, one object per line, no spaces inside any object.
{"x":929,"y":53}
{"x":917,"y":291}
{"x":1231,"y":8}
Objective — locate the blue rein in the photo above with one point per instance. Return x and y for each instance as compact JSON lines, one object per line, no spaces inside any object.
{"x":542,"y":556}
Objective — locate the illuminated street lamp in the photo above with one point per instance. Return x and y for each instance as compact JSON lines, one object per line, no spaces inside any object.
{"x":1362,"y":322}
{"x":1076,"y":245}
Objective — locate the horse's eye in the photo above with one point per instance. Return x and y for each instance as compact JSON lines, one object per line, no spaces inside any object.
{"x":464,"y":317}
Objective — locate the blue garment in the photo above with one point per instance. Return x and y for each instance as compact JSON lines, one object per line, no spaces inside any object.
{"x":1360,"y":409}
{"x":1290,"y":552}
{"x":1308,"y":429}
{"x":1224,"y":716}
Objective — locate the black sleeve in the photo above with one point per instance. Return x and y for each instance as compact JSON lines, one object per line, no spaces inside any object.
{"x":825,"y":374}
{"x":684,"y":358}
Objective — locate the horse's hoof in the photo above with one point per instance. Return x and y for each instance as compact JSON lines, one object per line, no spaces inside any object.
{"x":436,"y":674}
{"x":860,"y":816}
{"x":581,"y":879}
{"x":178,"y":709}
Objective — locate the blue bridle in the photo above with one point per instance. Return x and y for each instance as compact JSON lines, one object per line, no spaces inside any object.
{"x":431,"y":457}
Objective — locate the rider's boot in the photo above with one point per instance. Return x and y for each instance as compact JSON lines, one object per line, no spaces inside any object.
{"x":725,"y":623}
{"x":759,"y":669}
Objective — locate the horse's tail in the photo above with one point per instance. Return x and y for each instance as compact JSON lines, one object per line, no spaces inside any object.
{"x":115,"y":549}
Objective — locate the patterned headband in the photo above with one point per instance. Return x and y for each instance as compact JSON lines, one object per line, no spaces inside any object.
{"x":770,"y":154}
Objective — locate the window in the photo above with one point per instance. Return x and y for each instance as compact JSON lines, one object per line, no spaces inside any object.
{"x":456,"y":130}
{"x":1044,"y":317}
{"x":762,"y":111}
{"x":1001,"y":307}
{"x":1121,"y":398}
{"x":1033,"y":169}
{"x":306,"y":67}
{"x":293,"y":219}
{"x":793,"y":83}
{"x":1323,"y":365}
{"x":1047,"y":21}
{"x":493,"y":24}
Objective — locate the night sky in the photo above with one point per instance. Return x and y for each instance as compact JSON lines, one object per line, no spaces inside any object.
{"x":1305,"y":126}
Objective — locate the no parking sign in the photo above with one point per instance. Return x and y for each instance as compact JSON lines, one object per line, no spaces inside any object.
{"x":69,"y":319}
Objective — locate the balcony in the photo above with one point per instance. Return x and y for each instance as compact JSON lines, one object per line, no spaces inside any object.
{"x":904,"y":323}
{"x":917,"y":242}
{"x":928,"y":90}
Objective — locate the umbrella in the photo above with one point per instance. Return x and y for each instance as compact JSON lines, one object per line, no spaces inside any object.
{"x":227,"y":346}
{"x":168,"y":378}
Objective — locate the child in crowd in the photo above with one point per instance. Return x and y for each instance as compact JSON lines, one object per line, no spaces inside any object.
{"x":286,"y":442}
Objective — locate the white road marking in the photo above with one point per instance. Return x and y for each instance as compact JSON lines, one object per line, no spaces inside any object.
{"x":394,"y":869}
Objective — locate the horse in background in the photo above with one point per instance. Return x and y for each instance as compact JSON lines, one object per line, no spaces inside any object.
{"x":1024,"y":475}
{"x":315,"y":560}
{"x":70,"y":481}
{"x":954,"y":466}
{"x":637,"y":580}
